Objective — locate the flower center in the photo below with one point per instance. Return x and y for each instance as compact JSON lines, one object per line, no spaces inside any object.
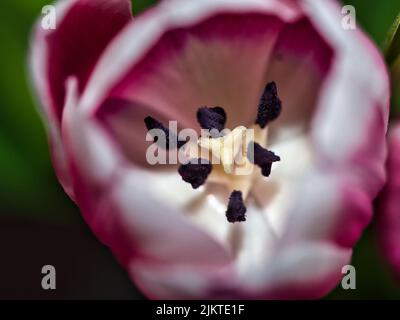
{"x":224,"y":156}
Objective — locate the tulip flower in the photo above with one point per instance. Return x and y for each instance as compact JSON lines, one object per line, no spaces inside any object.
{"x":389,"y":203}
{"x":315,"y":94}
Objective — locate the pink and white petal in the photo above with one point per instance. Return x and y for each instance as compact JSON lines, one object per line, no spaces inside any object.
{"x":139,"y":228}
{"x":352,"y":114}
{"x":90,"y":150}
{"x":182,"y":281}
{"x":353,"y":108}
{"x":178,"y":60}
{"x":38,"y":64}
{"x":389,"y":204}
{"x":304,"y":270}
{"x":158,"y":230}
{"x":325,"y":213}
{"x":83,"y":30}
{"x":118,"y":203}
{"x":198,"y":65}
{"x":350,"y":124}
{"x":327,"y":208}
{"x":128,"y":50}
{"x":333,"y":201}
{"x":96,"y":161}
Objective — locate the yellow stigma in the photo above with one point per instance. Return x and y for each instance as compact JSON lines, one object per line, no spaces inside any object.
{"x":229,"y":150}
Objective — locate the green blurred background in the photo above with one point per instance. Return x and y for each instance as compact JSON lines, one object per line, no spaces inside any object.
{"x":39,"y":224}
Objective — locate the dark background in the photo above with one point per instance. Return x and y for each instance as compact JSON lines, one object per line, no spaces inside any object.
{"x":39,"y":225}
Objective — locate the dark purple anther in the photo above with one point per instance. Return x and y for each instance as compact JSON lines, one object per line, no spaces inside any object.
{"x":211,"y":118}
{"x":236,"y":211}
{"x":170,"y":138}
{"x":261,"y":157}
{"x":195,"y":172}
{"x":270,"y":105}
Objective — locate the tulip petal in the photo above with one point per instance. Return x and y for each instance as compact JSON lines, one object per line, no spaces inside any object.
{"x":84,"y":28}
{"x":333,"y":201}
{"x":144,"y":219}
{"x":303,"y":270}
{"x":157,"y":229}
{"x":179,"y":57}
{"x":350,"y":84}
{"x":389,"y":218}
{"x":154,"y":28}
{"x":202,"y":62}
{"x":301,"y":61}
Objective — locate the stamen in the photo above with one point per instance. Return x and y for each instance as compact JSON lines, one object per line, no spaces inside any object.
{"x":211,"y":118}
{"x":195,"y":172}
{"x":170,"y":138}
{"x":270,"y":105}
{"x":227,"y":149}
{"x":261,"y":157}
{"x":236,"y":211}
